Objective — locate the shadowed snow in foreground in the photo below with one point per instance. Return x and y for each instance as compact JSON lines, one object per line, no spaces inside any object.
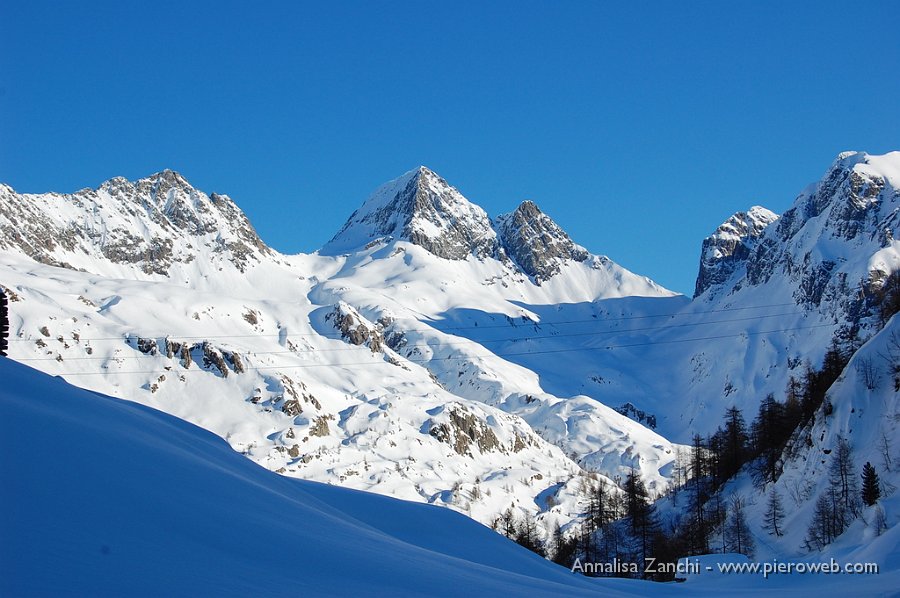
{"x":105,"y":497}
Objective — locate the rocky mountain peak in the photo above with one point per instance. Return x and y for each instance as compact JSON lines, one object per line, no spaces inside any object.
{"x":422,"y":208}
{"x":152,"y":223}
{"x":535,"y":242}
{"x":730,"y":245}
{"x":827,"y":252}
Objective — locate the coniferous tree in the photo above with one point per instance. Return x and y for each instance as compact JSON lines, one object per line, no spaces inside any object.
{"x":641,"y":514}
{"x":774,"y":513}
{"x":506,"y":524}
{"x":714,"y":448}
{"x":871,"y":490}
{"x":698,"y":529}
{"x":843,"y":481}
{"x":820,"y":532}
{"x":562,"y":547}
{"x":839,"y":504}
{"x":769,"y":434}
{"x":734,"y":443}
{"x":737,"y":533}
{"x":527,"y":536}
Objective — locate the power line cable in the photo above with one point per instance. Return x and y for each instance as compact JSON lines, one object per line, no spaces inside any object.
{"x":428,"y":329}
{"x":470,"y":357}
{"x":453,"y":343}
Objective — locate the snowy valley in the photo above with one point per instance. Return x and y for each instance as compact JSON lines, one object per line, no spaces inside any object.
{"x":432,"y":353}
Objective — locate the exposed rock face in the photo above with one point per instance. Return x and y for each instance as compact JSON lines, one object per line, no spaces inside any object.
{"x":536,"y":243}
{"x":212,"y":358}
{"x":147,"y":346}
{"x":153,"y":223}
{"x":829,"y":251}
{"x":461,"y":429}
{"x":320,"y":427}
{"x":209,"y":356}
{"x":292,"y":393}
{"x":730,"y":246}
{"x":355,"y":329}
{"x":422,"y":208}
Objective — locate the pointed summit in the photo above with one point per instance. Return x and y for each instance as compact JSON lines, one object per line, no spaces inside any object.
{"x":730,"y":245}
{"x":422,"y":208}
{"x":536,"y":243}
{"x":153,"y":225}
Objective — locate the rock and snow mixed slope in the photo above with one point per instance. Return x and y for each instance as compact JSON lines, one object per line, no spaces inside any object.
{"x":107,"y":497}
{"x":158,"y":225}
{"x":428,"y":352}
{"x":773,"y":293}
{"x":345,"y":366}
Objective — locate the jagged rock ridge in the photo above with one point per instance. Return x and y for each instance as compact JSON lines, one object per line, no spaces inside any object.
{"x":153,"y":223}
{"x":730,"y":246}
{"x":424,"y":209}
{"x":833,"y":246}
{"x":536,"y":243}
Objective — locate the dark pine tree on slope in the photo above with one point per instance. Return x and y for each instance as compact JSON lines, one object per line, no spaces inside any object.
{"x":642,"y":515}
{"x":838,"y":505}
{"x":737,"y":533}
{"x":774,"y":513}
{"x":871,"y":490}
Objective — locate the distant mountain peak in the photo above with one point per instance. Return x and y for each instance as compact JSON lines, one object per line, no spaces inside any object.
{"x":536,"y":243}
{"x":154,"y":223}
{"x":838,"y":235}
{"x":422,"y":208}
{"x":730,"y":245}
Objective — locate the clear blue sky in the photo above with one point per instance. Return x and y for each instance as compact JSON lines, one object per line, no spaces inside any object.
{"x":639,"y":127}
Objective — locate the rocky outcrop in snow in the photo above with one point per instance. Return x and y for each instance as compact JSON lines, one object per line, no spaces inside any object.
{"x":536,"y":243}
{"x":355,"y":329}
{"x":151,"y":224}
{"x":422,"y":208}
{"x":832,"y":247}
{"x":730,"y":246}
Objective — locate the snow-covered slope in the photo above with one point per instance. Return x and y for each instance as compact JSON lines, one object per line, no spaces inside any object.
{"x":430,"y":353}
{"x":347,"y":368}
{"x":159,"y":225}
{"x":863,"y":409}
{"x":821,"y":263}
{"x":107,"y":497}
{"x":774,"y":293}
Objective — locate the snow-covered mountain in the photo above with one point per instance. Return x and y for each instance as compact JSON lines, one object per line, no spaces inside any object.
{"x":354,"y":366}
{"x":422,"y":208}
{"x":429,"y":352}
{"x":730,"y":246}
{"x":157,"y":225}
{"x":832,"y":248}
{"x":773,"y":293}
{"x":152,"y":505}
{"x":103,"y":496}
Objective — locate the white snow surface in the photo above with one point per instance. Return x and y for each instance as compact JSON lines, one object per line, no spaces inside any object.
{"x":308,"y":403}
{"x":107,"y":497}
{"x":475,"y":388}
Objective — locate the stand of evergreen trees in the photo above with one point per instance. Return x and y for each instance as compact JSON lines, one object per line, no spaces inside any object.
{"x":622,"y":524}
